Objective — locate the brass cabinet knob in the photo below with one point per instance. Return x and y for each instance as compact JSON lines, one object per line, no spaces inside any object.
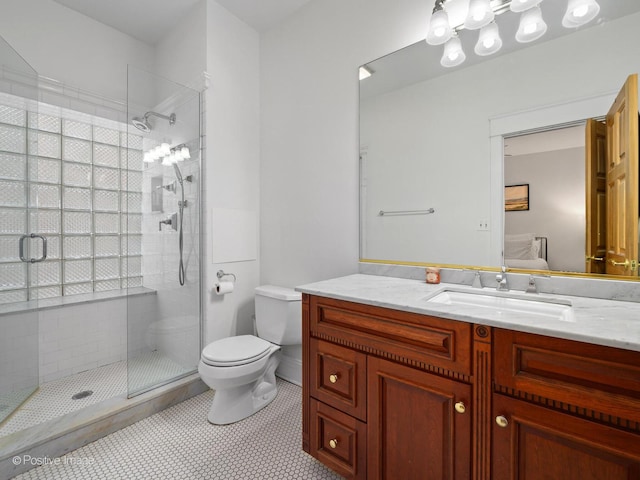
{"x":333,"y":378}
{"x":460,"y":408}
{"x":333,"y":443}
{"x":502,"y":421}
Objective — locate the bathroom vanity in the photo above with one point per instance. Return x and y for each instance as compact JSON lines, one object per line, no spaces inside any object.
{"x":397,"y":385}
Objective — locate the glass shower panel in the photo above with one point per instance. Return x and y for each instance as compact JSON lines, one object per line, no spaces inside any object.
{"x":22,"y":195}
{"x":160,"y":261}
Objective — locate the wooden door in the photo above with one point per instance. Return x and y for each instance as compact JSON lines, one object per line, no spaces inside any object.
{"x":533,"y":442}
{"x":413,"y":428}
{"x":596,"y":194}
{"x":622,"y":181}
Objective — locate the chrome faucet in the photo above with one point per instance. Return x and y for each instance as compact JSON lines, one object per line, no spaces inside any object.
{"x":501,"y":278}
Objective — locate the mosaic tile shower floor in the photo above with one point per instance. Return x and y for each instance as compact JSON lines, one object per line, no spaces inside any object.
{"x":53,"y":399}
{"x":179,"y":443}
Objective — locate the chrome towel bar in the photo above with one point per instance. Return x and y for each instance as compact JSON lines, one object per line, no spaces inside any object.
{"x":382,"y":213}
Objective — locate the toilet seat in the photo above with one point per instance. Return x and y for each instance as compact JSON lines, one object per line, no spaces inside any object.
{"x":235,"y":351}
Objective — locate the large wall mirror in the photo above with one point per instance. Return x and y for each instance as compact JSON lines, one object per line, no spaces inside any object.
{"x":439,"y":145}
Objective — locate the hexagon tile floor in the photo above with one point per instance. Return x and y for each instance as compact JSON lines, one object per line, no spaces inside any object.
{"x":179,"y":443}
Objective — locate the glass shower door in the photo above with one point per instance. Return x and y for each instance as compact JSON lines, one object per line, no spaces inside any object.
{"x":22,"y":247}
{"x":161,"y":238}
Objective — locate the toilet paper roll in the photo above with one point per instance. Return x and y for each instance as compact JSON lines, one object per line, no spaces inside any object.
{"x":224,"y":287}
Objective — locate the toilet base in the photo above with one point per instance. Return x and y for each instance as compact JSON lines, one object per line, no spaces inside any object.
{"x":231,"y":405}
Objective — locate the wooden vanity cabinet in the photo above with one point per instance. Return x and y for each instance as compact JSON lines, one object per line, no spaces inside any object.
{"x":387,"y":394}
{"x":413,"y":428}
{"x":534,"y":442}
{"x":564,"y":410}
{"x":390,"y":394}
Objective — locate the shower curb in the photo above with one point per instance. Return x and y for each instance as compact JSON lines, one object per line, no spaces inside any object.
{"x":62,"y":435}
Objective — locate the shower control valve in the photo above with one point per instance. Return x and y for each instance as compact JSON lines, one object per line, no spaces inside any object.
{"x":170,"y":220}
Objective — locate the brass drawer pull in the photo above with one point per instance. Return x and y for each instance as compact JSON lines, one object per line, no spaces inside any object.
{"x":333,"y":443}
{"x":333,"y":378}
{"x":502,"y":421}
{"x":460,"y":407}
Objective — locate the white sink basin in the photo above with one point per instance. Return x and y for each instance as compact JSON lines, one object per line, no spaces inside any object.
{"x":504,"y":304}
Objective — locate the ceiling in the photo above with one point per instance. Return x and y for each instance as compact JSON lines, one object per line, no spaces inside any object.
{"x":147,"y":20}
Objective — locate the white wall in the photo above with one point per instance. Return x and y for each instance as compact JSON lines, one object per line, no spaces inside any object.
{"x":181,"y":55}
{"x":232,"y":164}
{"x":309,"y":137}
{"x":72,"y":48}
{"x":556,"y":203}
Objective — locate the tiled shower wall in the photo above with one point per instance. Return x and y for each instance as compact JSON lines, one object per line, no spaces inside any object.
{"x":84,"y":194}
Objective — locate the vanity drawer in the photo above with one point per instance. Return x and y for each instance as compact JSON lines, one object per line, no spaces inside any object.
{"x":338,"y":440}
{"x":339,"y":377}
{"x":405,"y":337}
{"x":593,"y":377}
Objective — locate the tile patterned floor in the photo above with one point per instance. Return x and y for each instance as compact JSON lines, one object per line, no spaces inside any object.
{"x":179,"y":443}
{"x":53,"y":399}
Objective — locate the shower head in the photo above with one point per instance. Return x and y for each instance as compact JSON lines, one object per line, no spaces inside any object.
{"x":142,"y":123}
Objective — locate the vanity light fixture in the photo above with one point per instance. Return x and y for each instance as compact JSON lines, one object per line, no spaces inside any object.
{"x":168,"y":155}
{"x":439,"y":30}
{"x":580,"y":12}
{"x":364,"y":72}
{"x":481,"y":15}
{"x":489,"y":41}
{"x":532,"y":25}
{"x":518,"y":6}
{"x":453,"y":54}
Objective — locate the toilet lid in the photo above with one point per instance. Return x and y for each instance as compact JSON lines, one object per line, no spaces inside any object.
{"x":233,"y":351}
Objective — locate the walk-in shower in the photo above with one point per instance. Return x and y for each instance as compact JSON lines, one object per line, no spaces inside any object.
{"x":114,"y":306}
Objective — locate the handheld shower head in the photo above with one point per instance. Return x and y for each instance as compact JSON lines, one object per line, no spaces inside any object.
{"x":142,"y":123}
{"x":178,"y":174}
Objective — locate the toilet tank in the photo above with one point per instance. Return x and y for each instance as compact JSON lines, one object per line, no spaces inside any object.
{"x":279,"y":315}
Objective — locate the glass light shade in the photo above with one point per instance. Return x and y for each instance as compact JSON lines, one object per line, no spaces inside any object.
{"x":453,"y":54}
{"x":489,"y":41}
{"x":166,"y":161}
{"x":363,"y":72}
{"x":522,"y":5}
{"x":439,"y":30}
{"x":184,"y":151}
{"x":532,"y":26}
{"x":480,"y":14}
{"x":580,"y":12}
{"x":177,"y":155}
{"x":148,"y":157}
{"x":165,"y":149}
{"x":155,"y":153}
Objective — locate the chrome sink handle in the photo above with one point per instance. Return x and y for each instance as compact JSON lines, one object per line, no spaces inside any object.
{"x":531,"y":287}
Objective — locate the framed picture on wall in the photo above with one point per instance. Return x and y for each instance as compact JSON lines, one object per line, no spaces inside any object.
{"x":516,"y":197}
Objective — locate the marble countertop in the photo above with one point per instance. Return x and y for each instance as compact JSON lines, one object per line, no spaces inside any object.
{"x":602,"y":322}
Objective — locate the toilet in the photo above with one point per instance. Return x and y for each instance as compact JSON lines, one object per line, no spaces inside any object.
{"x":242,"y":369}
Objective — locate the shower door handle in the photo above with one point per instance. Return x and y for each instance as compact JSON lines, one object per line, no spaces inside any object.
{"x":21,"y":248}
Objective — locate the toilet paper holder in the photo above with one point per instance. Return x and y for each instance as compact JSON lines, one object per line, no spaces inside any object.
{"x":220,"y":274}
